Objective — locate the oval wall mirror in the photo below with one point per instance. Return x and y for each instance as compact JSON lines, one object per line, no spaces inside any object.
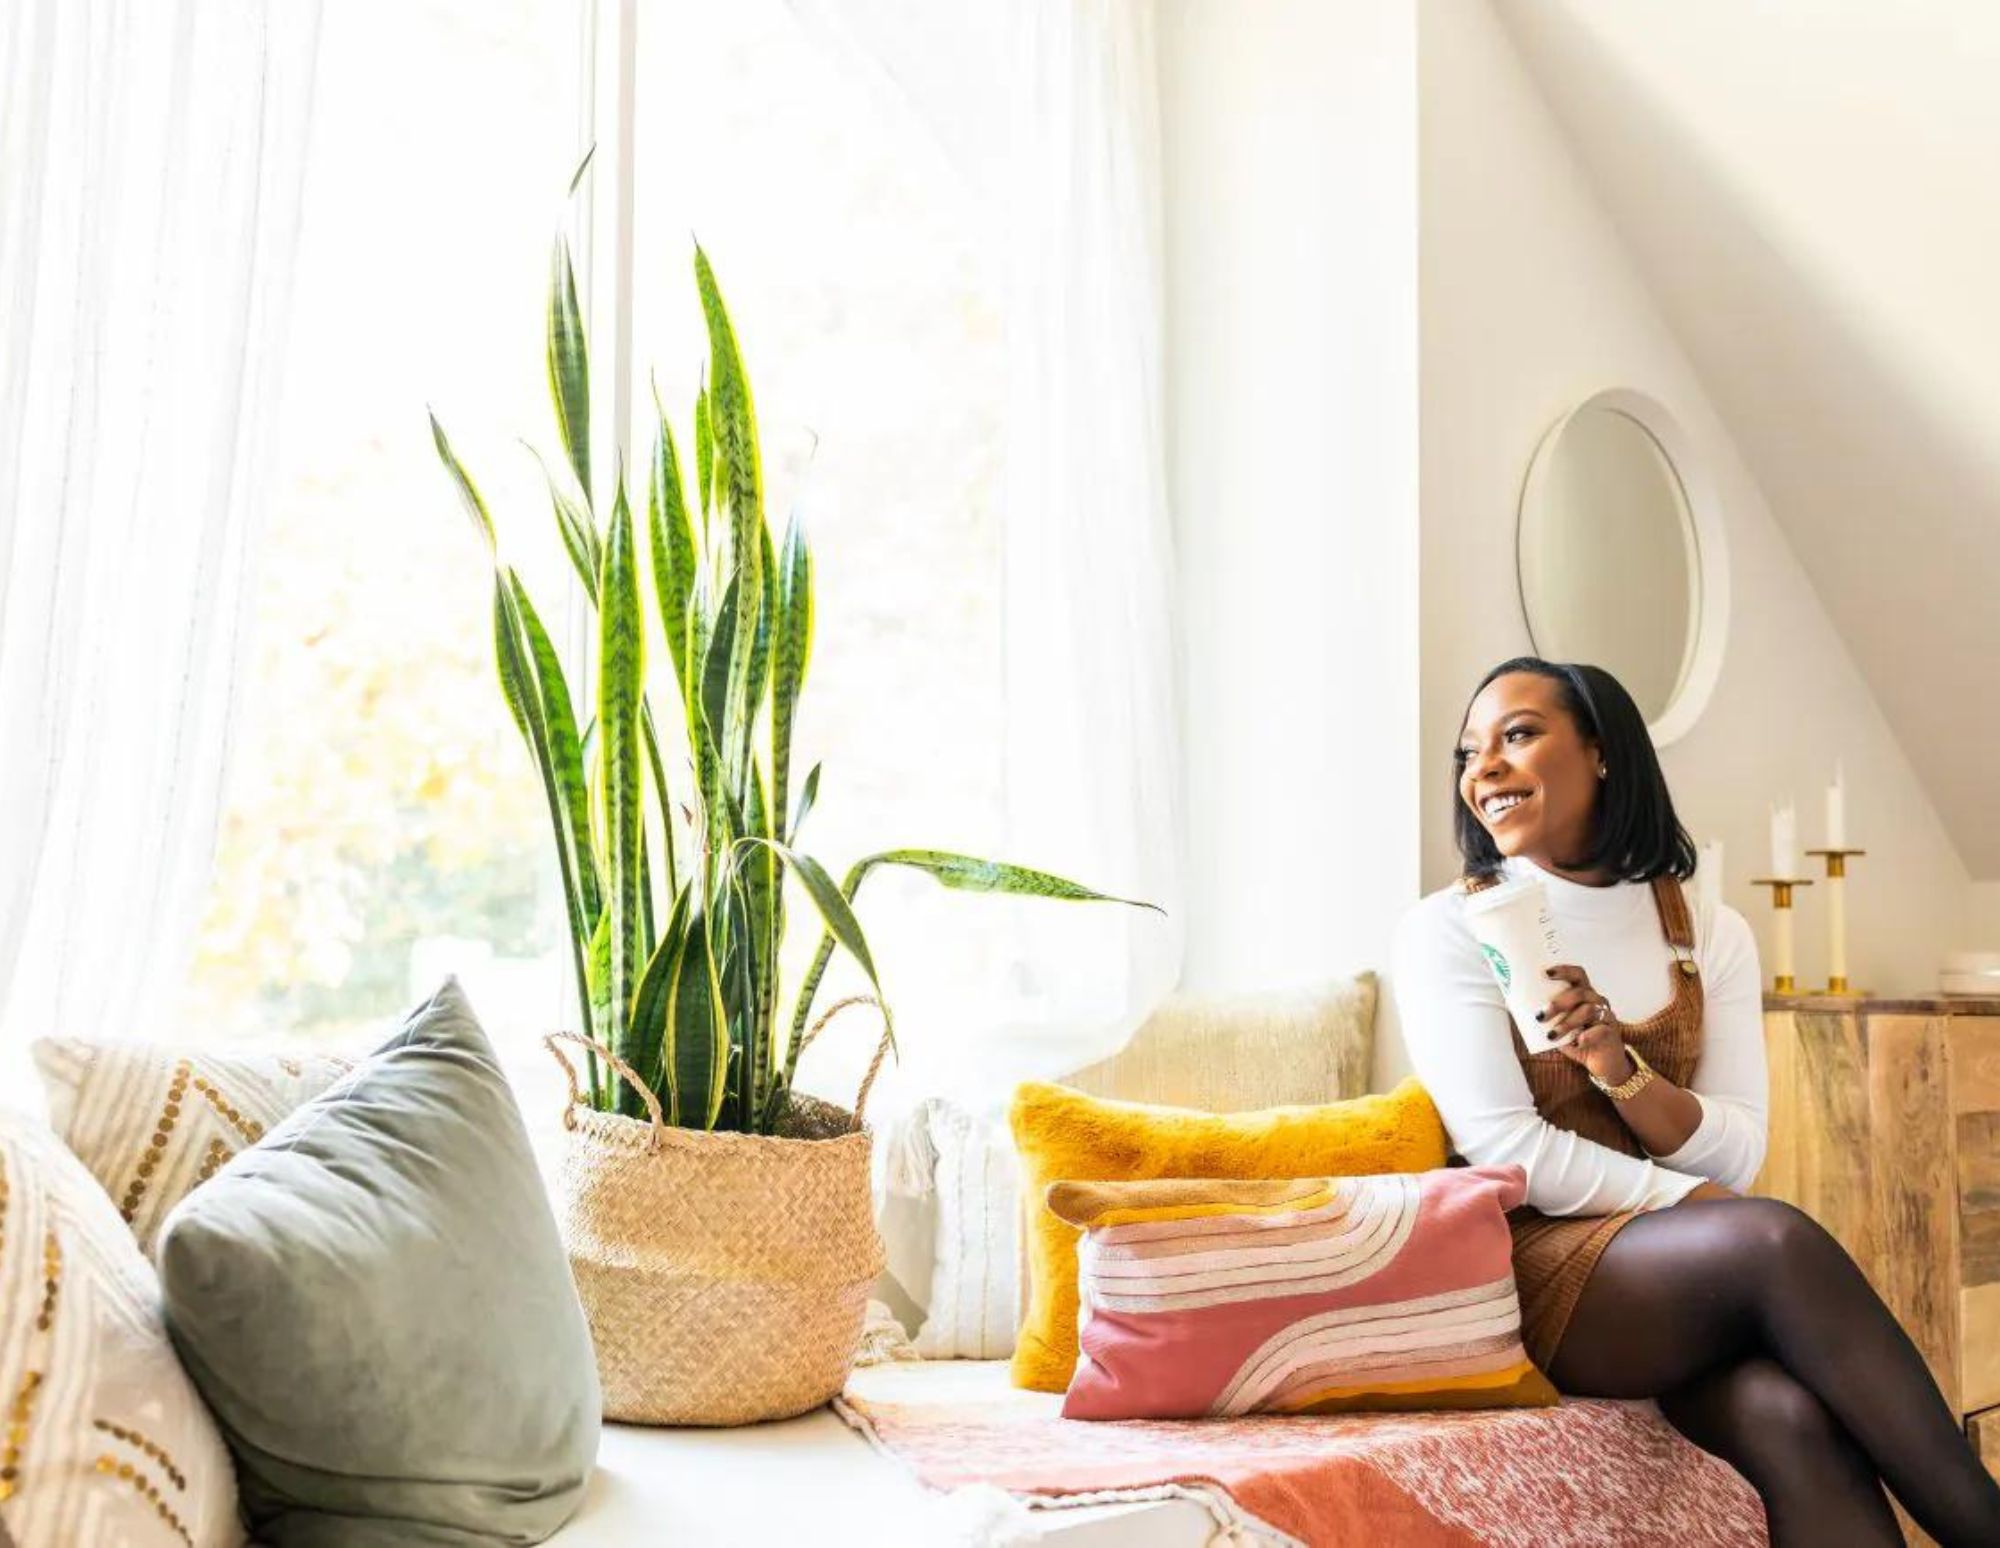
{"x":1621,"y":556}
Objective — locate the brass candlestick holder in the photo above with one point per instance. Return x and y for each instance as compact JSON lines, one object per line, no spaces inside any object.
{"x":1783,"y":957}
{"x":1836,"y":918}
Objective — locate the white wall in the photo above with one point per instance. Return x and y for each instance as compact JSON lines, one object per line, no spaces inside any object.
{"x":1529,"y":303}
{"x":1982,"y":918}
{"x":1289,"y":137}
{"x":1305,"y":147}
{"x":1796,"y":179}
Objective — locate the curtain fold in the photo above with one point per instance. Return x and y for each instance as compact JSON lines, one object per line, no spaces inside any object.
{"x":151,"y":156}
{"x":1048,"y":110}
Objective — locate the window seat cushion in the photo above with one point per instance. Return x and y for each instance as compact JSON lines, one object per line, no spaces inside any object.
{"x":1423,"y":1479}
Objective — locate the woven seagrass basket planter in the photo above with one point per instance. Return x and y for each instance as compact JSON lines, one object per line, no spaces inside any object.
{"x":725,"y":1276}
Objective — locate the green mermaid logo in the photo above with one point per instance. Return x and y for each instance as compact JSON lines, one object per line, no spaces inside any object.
{"x":1499,"y":965}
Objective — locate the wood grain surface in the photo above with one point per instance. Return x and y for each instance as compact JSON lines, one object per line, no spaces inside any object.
{"x":1885,"y":1128}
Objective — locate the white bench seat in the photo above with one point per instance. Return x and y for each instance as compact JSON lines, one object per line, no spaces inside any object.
{"x":813,"y":1480}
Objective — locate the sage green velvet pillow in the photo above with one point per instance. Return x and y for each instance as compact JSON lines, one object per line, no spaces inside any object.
{"x":376,"y":1304}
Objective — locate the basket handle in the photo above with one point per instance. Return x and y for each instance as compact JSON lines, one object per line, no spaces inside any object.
{"x":631,"y":1079}
{"x":881,"y":1048}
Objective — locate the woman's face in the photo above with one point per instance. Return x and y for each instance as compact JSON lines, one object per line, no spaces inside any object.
{"x":1520,"y":742}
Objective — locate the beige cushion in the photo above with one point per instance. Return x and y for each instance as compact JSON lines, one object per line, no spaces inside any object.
{"x":152,"y":1123}
{"x":104,"y":1440}
{"x":1235,"y":1053}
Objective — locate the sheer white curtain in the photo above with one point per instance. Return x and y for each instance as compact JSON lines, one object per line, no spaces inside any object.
{"x":151,"y":153}
{"x":1048,"y":109}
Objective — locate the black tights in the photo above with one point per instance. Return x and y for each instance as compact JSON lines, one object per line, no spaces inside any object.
{"x":1765,"y":1344}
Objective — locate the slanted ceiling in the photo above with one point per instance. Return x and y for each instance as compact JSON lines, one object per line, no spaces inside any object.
{"x":1812,"y":187}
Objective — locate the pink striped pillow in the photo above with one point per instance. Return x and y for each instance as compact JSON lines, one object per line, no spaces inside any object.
{"x":1313,"y":1295}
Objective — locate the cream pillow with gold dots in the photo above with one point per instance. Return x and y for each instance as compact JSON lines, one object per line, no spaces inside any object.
{"x":103,"y":1439}
{"x":154,"y":1123}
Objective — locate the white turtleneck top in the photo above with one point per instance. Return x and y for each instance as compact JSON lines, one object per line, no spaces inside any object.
{"x":1461,"y":1044}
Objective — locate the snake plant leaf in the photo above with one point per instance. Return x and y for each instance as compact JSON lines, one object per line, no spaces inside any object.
{"x":717,"y":666}
{"x":746,"y":672}
{"x":620,"y":685}
{"x":646,"y":935}
{"x":740,"y":498}
{"x":506,"y":650}
{"x":518,"y":684}
{"x":569,"y":367}
{"x":598,"y":960}
{"x":709,"y":633}
{"x":834,"y":910}
{"x":808,"y":794}
{"x":759,"y":679}
{"x":565,"y":746}
{"x":468,"y":494}
{"x":582,"y":167}
{"x":671,"y":537}
{"x":579,"y":532}
{"x":697,"y":1019}
{"x":967,"y":873}
{"x":764,"y":864}
{"x":763,"y":903}
{"x":704,"y":455}
{"x":703,"y":604}
{"x":591,"y":763}
{"x":732,"y":418}
{"x":721,"y":814}
{"x":648,"y":1038}
{"x":736,"y":962}
{"x":791,"y":651}
{"x":659,"y":769}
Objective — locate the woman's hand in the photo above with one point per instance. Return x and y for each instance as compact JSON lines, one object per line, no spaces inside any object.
{"x":1710,"y":1190}
{"x":1596,"y":1036}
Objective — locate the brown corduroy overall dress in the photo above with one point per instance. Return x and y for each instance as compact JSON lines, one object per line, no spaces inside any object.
{"x":1553,"y":1256}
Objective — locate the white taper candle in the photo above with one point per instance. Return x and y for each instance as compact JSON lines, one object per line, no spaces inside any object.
{"x":1784,"y":841}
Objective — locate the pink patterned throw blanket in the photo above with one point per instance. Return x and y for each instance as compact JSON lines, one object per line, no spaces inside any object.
{"x":1587,"y":1472}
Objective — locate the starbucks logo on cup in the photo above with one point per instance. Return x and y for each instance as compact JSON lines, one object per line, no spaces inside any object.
{"x":1499,"y":966}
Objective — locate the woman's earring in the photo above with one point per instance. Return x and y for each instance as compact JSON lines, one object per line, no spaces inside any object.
{"x":1602,"y":771}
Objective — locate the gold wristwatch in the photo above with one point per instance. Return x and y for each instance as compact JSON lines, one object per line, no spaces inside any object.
{"x":1642,"y":1077}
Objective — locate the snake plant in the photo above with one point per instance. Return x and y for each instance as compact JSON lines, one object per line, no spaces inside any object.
{"x":675,"y":945}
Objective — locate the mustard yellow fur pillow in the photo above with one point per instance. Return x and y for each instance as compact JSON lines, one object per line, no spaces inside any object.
{"x":1065,"y":1136}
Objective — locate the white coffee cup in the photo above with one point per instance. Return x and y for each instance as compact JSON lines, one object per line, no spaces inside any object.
{"x":1516,"y":931}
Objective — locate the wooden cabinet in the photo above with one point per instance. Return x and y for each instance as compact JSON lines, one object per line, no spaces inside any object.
{"x":1885,"y":1127}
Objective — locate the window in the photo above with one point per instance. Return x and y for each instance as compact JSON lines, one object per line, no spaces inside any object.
{"x":385,"y":825}
{"x":874,"y":339}
{"x":381,"y":826}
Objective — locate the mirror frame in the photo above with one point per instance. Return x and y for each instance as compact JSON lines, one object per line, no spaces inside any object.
{"x":1702,"y":660}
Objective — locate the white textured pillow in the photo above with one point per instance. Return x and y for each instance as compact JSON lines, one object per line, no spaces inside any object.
{"x":104,"y":1440}
{"x":154,"y":1123}
{"x":1223,"y":1054}
{"x":975,"y":1295}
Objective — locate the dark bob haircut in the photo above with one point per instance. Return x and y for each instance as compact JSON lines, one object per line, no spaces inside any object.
{"x":1638,"y":836}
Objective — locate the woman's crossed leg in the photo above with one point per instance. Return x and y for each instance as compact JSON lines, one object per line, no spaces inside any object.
{"x":1817,"y":1485}
{"x":1765,"y":1343}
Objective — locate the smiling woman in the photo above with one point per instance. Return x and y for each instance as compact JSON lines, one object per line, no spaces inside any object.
{"x":1752,"y":1326}
{"x":1572,"y":751}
